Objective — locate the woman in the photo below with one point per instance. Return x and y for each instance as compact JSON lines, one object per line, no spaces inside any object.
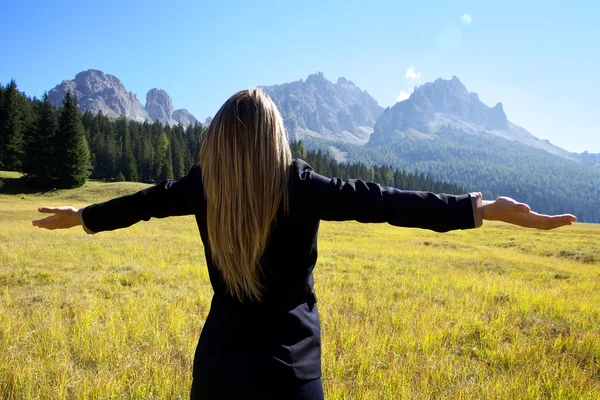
{"x":258,"y":212}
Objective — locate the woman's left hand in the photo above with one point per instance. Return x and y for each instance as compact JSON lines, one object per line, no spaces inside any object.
{"x":63,"y":218}
{"x":508,"y":210}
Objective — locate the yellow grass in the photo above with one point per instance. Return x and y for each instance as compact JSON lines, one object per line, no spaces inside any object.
{"x":498,"y":313}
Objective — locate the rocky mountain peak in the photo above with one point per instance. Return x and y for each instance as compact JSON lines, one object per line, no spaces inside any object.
{"x":316,"y":77}
{"x":97,"y":91}
{"x":159,"y":106}
{"x":184,"y":117}
{"x":451,"y":98}
{"x":446,"y":107}
{"x":94,"y":80}
{"x":318,"y":108}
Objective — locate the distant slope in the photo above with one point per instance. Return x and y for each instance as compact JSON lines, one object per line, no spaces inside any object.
{"x":495,"y":166}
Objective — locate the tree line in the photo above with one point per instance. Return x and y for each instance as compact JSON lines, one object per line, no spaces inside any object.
{"x":324,"y":164}
{"x":61,"y":148}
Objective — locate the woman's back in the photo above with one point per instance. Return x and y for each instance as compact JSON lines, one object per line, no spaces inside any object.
{"x":278,"y":336}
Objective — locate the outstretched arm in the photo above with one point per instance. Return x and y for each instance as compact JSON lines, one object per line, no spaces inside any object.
{"x":62,"y":218}
{"x":168,"y":198}
{"x":339,"y":200}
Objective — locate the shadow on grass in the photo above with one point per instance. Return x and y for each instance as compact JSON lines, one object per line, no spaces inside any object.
{"x":22,"y":185}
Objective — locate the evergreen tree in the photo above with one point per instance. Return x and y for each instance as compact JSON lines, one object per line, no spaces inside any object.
{"x":300,"y":150}
{"x":147,"y":160}
{"x":128,"y":164}
{"x":12,"y":142}
{"x":131,"y":172}
{"x":72,"y":148}
{"x":40,"y":155}
{"x":178,"y":153}
{"x":2,"y":117}
{"x":388,"y":177}
{"x":164,"y":159}
{"x":106,"y":147}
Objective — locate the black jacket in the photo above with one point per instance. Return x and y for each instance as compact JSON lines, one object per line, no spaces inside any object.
{"x":280,"y":337}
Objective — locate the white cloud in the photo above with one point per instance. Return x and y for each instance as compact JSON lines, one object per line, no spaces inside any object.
{"x":402,"y":96}
{"x":466,"y":19}
{"x":412,"y":74}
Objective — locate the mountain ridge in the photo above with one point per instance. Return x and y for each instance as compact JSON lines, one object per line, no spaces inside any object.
{"x":319,"y":108}
{"x":97,"y":91}
{"x":443,"y":105}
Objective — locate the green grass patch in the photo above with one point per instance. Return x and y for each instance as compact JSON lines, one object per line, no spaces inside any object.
{"x":498,"y":312}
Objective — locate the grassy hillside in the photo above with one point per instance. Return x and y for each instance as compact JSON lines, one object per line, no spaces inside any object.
{"x":499,"y":312}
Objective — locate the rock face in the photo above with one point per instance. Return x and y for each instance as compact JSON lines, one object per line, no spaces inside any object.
{"x":97,"y":91}
{"x":160,"y":106}
{"x":447,"y":106}
{"x":321,"y":109}
{"x":184,"y":117}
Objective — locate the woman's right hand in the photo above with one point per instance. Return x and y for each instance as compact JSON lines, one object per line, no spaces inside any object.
{"x":508,"y":210}
{"x":63,"y":218}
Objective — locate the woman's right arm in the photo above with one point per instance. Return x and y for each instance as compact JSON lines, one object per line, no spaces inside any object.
{"x":339,"y":200}
{"x":168,"y":198}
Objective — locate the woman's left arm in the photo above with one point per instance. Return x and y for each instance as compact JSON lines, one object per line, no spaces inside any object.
{"x":168,"y":198}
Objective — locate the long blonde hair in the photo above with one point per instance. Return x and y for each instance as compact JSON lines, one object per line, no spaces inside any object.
{"x":245,"y":161}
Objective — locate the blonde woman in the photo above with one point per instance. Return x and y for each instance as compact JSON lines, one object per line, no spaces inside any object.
{"x":258,"y":212}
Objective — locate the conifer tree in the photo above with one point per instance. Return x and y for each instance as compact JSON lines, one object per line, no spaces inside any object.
{"x":300,"y":150}
{"x":128,"y":164}
{"x":2,"y":115}
{"x":105,"y":147}
{"x":40,"y":162}
{"x":72,"y":148}
{"x":164,"y":159}
{"x":388,"y":177}
{"x":12,"y":138}
{"x":178,"y":153}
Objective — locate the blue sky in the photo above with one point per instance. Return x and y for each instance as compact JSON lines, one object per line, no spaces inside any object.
{"x":541,"y":59}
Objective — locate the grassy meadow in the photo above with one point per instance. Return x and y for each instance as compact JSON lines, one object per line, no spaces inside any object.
{"x":499,"y":312}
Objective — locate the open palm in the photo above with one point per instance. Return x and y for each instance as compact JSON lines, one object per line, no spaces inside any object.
{"x":508,"y":210}
{"x":62,"y":218}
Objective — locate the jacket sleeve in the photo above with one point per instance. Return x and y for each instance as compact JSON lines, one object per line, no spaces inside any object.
{"x":168,"y":198}
{"x":339,"y":200}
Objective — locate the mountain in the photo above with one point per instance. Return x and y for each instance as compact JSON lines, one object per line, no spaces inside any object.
{"x":160,"y":106}
{"x":447,"y":105}
{"x":449,"y":133}
{"x":97,"y":91}
{"x":318,"y":108}
{"x":184,"y":117}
